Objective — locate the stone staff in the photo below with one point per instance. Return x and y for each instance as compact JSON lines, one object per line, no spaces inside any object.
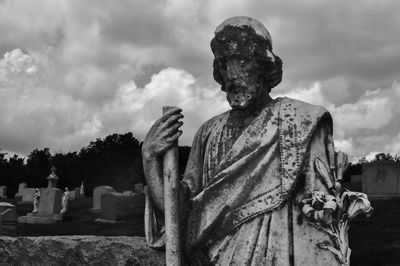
{"x":171,"y":179}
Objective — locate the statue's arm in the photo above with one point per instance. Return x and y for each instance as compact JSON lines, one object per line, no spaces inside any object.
{"x":154,"y":222}
{"x":164,"y":132}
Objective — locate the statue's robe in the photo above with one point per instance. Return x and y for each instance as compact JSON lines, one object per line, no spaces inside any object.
{"x":244,"y":187}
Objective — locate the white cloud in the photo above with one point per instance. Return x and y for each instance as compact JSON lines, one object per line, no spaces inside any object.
{"x":17,"y":67}
{"x":370,"y":156}
{"x":345,"y":145}
{"x":375,"y":111}
{"x":393,"y":147}
{"x":136,"y":109}
{"x":312,"y":94}
{"x":367,"y":113}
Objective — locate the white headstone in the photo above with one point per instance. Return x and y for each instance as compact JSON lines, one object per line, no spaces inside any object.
{"x":50,"y":201}
{"x":97,"y":192}
{"x":3,"y":192}
{"x":8,"y":216}
{"x":117,"y":206}
{"x":74,"y":194}
{"x":28,"y":194}
{"x":77,"y":192}
{"x":21,"y":188}
{"x":128,"y":192}
{"x":381,"y":178}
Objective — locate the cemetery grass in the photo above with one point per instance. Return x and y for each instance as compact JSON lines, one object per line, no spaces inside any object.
{"x":375,"y":241}
{"x":82,"y":222}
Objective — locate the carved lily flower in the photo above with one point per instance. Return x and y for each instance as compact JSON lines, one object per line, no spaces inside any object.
{"x":319,"y":207}
{"x":355,"y":203}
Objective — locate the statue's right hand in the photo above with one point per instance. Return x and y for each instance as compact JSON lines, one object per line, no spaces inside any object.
{"x":164,"y":132}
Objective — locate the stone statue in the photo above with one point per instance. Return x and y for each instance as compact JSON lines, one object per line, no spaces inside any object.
{"x":64,"y":202}
{"x":82,"y":190}
{"x":36,"y":198}
{"x":262,"y":183}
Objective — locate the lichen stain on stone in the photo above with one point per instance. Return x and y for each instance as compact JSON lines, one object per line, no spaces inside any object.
{"x":306,"y":123}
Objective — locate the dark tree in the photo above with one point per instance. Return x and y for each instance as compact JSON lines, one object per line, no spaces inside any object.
{"x":114,"y":161}
{"x":38,"y":167}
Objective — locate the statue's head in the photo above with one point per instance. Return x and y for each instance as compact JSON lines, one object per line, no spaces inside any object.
{"x":244,"y":63}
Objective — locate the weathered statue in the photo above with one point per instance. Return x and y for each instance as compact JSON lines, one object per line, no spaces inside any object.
{"x":262,"y":183}
{"x":36,"y":198}
{"x":82,"y":190}
{"x":64,"y":201}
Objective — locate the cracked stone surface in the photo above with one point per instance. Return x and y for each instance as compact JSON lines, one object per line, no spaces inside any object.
{"x":78,"y":250}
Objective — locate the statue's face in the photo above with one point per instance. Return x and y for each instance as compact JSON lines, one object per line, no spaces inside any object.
{"x":242,"y":80}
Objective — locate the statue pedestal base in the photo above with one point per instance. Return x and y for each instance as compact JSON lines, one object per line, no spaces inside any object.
{"x":34,"y":218}
{"x":49,"y":208}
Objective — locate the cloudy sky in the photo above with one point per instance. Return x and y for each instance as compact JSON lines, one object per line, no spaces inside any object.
{"x":73,"y":71}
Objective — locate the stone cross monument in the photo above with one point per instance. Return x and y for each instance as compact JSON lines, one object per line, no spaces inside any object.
{"x":52,"y":178}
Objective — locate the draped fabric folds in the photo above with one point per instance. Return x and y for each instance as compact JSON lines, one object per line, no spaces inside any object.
{"x":243,"y":186}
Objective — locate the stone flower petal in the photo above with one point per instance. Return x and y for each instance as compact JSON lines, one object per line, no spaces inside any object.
{"x":319,"y":215}
{"x":320,"y":207}
{"x":331,"y":205}
{"x":318,"y":200}
{"x":356,"y":203}
{"x":327,"y":216}
{"x":307,"y":210}
{"x":323,"y":173}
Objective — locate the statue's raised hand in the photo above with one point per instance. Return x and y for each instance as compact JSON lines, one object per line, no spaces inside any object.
{"x":164,"y":132}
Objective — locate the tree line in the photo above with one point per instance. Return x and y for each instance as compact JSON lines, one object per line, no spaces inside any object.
{"x":115,"y":161}
{"x":356,"y":168}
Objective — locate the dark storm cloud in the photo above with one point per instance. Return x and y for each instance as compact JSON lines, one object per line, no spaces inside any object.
{"x":319,"y":40}
{"x":83,"y":69}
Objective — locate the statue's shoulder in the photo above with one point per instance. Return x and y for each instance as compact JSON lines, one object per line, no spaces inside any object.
{"x":302,"y":109}
{"x":304,"y":117}
{"x":213,"y":124}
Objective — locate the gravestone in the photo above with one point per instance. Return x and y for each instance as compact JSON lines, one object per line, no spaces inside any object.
{"x":8,"y":218}
{"x":381,"y":178}
{"x":356,"y":183}
{"x":50,"y":201}
{"x":97,"y":192}
{"x":28,"y":194}
{"x":21,"y":188}
{"x":3,"y":192}
{"x":49,"y":208}
{"x":128,"y":193}
{"x":77,"y":191}
{"x":25,"y":205}
{"x":116,"y":206}
{"x":49,"y":204}
{"x":72,"y":195}
{"x":75,"y":194}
